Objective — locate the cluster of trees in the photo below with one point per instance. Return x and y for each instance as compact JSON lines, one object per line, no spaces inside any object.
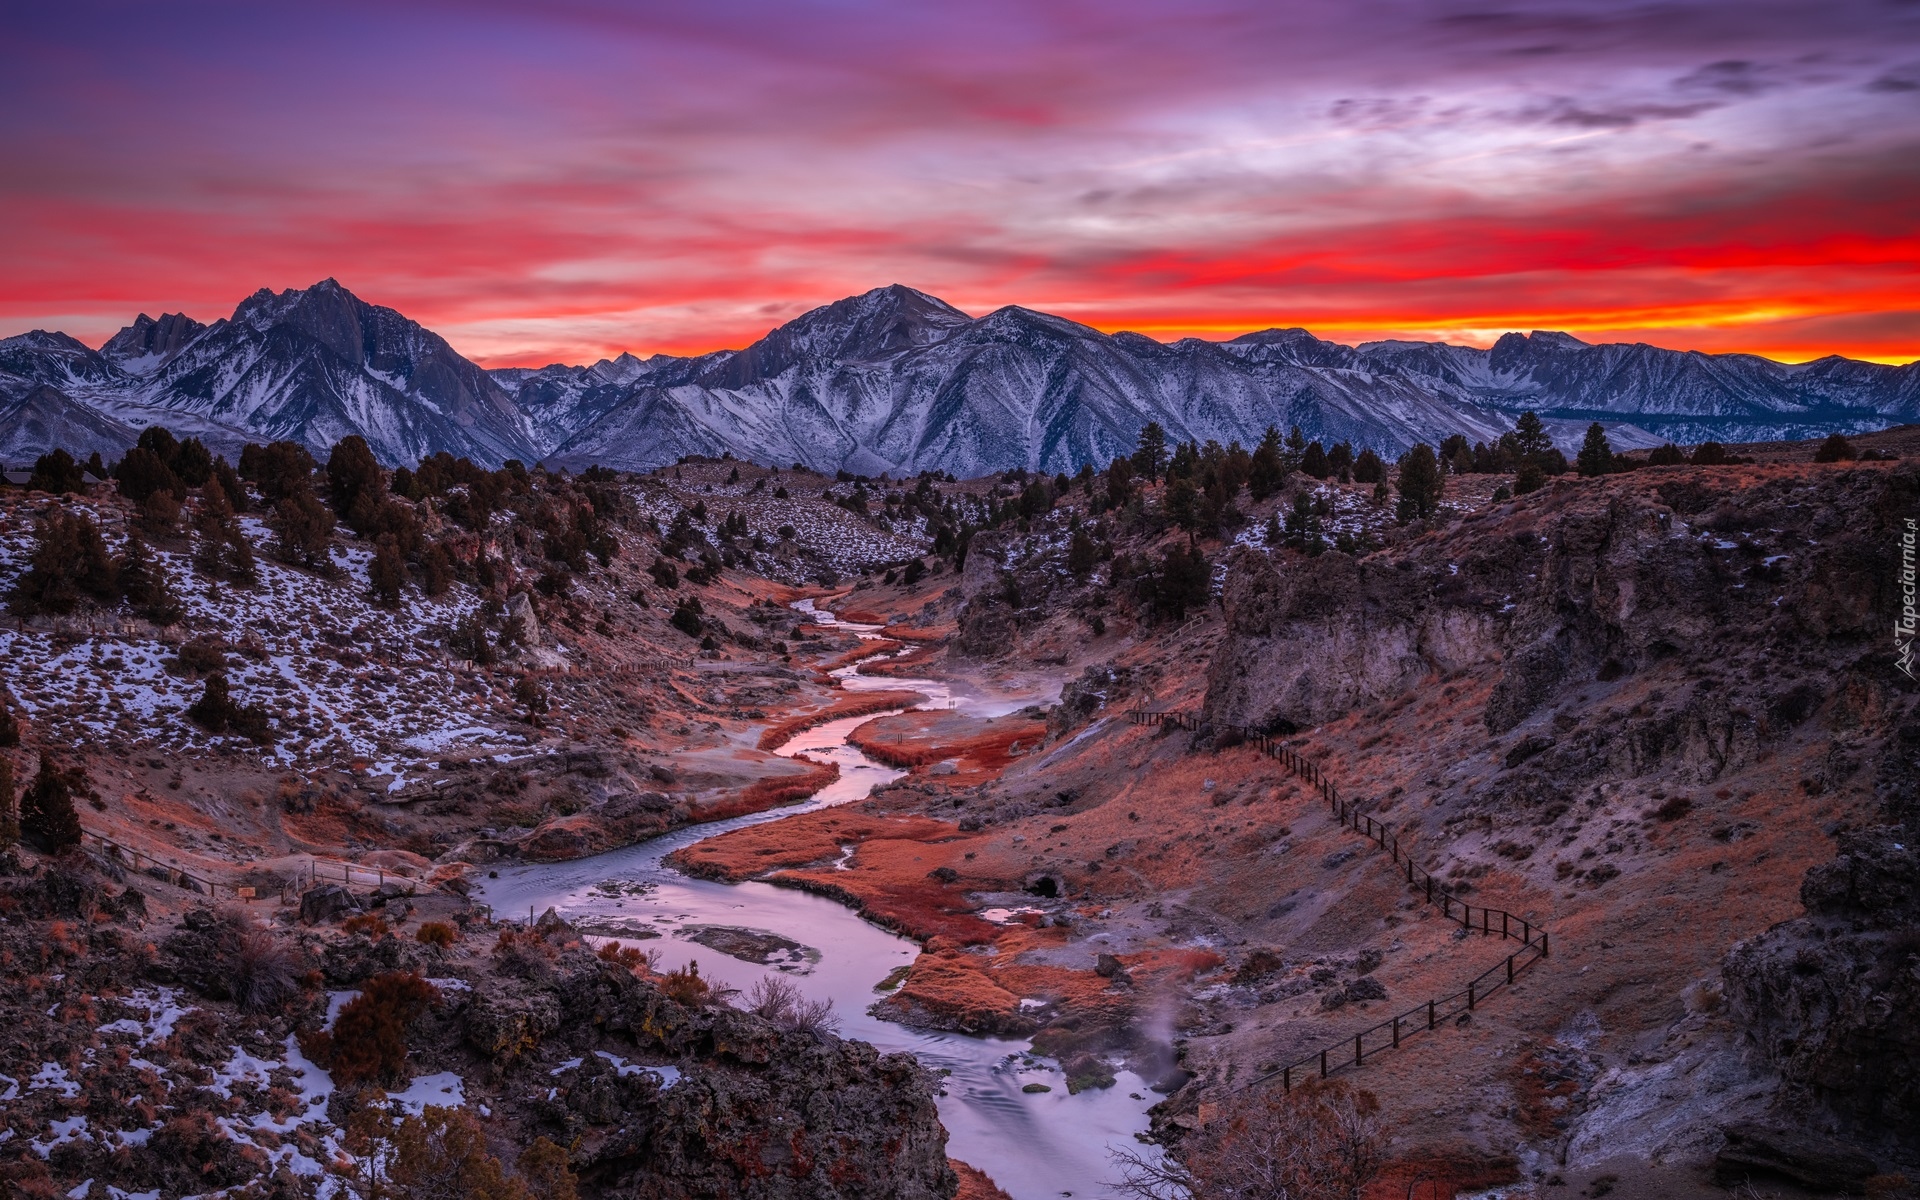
{"x":70,"y":563}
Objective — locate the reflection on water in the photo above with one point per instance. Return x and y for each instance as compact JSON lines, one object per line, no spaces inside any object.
{"x":1033,"y":1144}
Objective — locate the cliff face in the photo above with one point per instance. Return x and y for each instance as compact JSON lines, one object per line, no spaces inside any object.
{"x":1582,"y":582}
{"x":1829,"y":999}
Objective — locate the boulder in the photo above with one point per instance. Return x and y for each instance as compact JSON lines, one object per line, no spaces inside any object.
{"x":327,"y":902}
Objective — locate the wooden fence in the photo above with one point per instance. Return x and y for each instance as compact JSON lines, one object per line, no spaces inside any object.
{"x":1485,"y":920}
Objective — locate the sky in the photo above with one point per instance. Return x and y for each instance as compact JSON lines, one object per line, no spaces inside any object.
{"x":568,"y":180}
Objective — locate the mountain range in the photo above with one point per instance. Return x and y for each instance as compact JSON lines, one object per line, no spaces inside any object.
{"x":891,"y":380}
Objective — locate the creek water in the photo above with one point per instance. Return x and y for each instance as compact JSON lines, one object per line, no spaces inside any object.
{"x":1034,"y":1144}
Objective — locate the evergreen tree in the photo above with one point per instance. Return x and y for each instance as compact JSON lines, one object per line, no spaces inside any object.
{"x":1081,"y":554}
{"x":1368,"y":468}
{"x":302,"y":528}
{"x":69,"y":562}
{"x":1314,"y":461}
{"x":56,"y":472}
{"x":1667,"y":455}
{"x":278,"y":469}
{"x":1710,"y":454}
{"x":1183,"y":502}
{"x":223,"y":551}
{"x":47,"y":818}
{"x":213,"y":711}
{"x":9,"y":727}
{"x":1267,"y":470}
{"x":147,"y":584}
{"x":1150,"y":452}
{"x":1420,"y":483}
{"x":141,"y":473}
{"x":1296,"y":448}
{"x":1835,"y":449}
{"x":1530,"y":437}
{"x":1340,"y":460}
{"x":355,"y":484}
{"x":9,"y":814}
{"x":1185,"y":581}
{"x":387,"y":573}
{"x":1596,"y":456}
{"x":1529,"y":478}
{"x":1119,"y":482}
{"x":192,"y":463}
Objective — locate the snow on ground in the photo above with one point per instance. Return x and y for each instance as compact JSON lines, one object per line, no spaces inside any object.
{"x":343,"y":679}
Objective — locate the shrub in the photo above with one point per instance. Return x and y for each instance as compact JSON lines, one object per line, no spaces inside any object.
{"x":9,"y":726}
{"x":217,"y":712}
{"x":665,"y":574}
{"x":371,"y":924}
{"x":1710,"y":454}
{"x":9,"y":815}
{"x":1666,"y":455}
{"x":686,"y":616}
{"x":265,"y":971}
{"x":368,"y":1042}
{"x":437,"y":933}
{"x":302,"y":527}
{"x":776,"y":1000}
{"x":1835,"y":449}
{"x":439,"y":1155}
{"x":1321,"y":1141}
{"x":685,"y":986}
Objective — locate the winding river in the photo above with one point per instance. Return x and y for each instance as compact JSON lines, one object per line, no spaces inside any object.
{"x":1035,"y":1145}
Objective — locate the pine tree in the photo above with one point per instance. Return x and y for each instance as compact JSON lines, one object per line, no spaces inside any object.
{"x":147,"y":584}
{"x":1314,"y":461}
{"x":1267,"y":471}
{"x":69,"y":562}
{"x":56,"y":472}
{"x":1150,"y":452}
{"x":47,"y":818}
{"x":1368,"y":468}
{"x":302,"y":526}
{"x":9,"y":814}
{"x":1080,"y":554}
{"x":1185,"y":581}
{"x":1596,"y":456}
{"x":1530,"y":437}
{"x":1420,"y":483}
{"x":387,"y":573}
{"x":355,"y":484}
{"x":9,"y":727}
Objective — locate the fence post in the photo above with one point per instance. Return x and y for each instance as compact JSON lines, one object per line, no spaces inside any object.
{"x":1470,"y":996}
{"x":1396,"y":1033}
{"x":1430,"y":1016}
{"x":1509,"y":968}
{"x":1286,"y":1079}
{"x":1543,"y":943}
{"x":1323,"y":1064}
{"x":1357,"y":1060}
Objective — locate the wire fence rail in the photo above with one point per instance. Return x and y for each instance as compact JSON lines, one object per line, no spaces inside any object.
{"x":1484,"y":919}
{"x":318,"y":871}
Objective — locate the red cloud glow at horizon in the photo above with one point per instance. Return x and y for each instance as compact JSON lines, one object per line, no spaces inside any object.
{"x":566,"y":182}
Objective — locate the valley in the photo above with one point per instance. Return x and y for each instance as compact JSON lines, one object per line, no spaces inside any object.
{"x":754,"y":831}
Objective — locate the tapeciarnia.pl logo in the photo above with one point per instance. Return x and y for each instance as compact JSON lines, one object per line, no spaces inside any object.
{"x":1904,"y":627}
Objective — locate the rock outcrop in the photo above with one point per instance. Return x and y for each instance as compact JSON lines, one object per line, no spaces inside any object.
{"x":1586,"y":581}
{"x":1829,"y":998}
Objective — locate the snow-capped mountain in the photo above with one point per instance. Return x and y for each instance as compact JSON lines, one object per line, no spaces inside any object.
{"x":892,"y":380}
{"x":309,"y":366}
{"x":897,"y":380}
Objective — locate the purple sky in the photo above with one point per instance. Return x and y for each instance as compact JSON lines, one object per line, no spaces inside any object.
{"x":568,"y":180}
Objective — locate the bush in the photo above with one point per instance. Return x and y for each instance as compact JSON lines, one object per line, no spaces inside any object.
{"x":687,"y":616}
{"x":371,"y":924}
{"x":685,"y":986}
{"x":9,"y":815}
{"x":776,"y":1000}
{"x":442,"y":1155}
{"x":437,"y":933}
{"x":387,"y":573}
{"x":1710,"y":454}
{"x":665,"y":574}
{"x":1835,"y":449}
{"x":265,"y":971}
{"x":368,"y":1042}
{"x":9,"y":727}
{"x":1321,"y":1141}
{"x":217,"y":712}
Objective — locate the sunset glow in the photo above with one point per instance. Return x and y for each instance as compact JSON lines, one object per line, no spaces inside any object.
{"x":564,"y":182}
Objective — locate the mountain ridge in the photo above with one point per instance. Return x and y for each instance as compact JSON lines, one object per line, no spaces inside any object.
{"x":893,"y":379}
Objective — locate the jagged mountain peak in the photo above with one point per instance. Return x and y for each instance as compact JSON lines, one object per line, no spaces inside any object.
{"x":147,"y":344}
